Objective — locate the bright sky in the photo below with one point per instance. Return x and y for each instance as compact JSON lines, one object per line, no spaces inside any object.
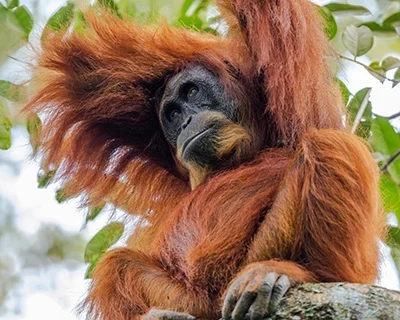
{"x":58,"y":290}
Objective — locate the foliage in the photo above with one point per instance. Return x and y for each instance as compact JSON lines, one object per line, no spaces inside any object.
{"x":355,"y":31}
{"x":100,"y":243}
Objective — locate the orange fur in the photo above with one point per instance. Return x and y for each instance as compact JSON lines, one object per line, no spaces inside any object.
{"x":233,"y":142}
{"x":308,"y":198}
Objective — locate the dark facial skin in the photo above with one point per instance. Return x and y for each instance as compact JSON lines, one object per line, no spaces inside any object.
{"x":193,"y":108}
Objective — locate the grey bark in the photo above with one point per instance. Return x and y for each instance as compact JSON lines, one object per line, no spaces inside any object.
{"x":339,"y":301}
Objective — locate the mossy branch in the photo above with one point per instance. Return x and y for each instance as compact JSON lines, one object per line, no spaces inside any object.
{"x":339,"y":301}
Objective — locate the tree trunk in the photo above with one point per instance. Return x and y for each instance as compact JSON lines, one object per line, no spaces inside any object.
{"x":339,"y":301}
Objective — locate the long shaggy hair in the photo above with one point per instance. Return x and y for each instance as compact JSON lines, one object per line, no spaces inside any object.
{"x":309,"y":196}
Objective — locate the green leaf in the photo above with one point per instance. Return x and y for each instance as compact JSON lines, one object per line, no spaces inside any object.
{"x":394,"y":236}
{"x":34,"y":126}
{"x":25,"y":19}
{"x":189,"y":17}
{"x":344,"y":90}
{"x":45,"y":178}
{"x":393,"y":20}
{"x":386,"y":141}
{"x":12,"y":36}
{"x":391,"y":16}
{"x":331,"y":27}
{"x":201,"y":6}
{"x":358,"y":40}
{"x":94,"y":212}
{"x":390,"y":193}
{"x":102,"y":241}
{"x":11,"y":4}
{"x":185,"y":7}
{"x":90,"y":269}
{"x":188,"y":8}
{"x":379,"y":73}
{"x":209,"y":30}
{"x":5,"y":129}
{"x":356,"y":102}
{"x":80,"y":23}
{"x":110,"y":4}
{"x":347,"y":9}
{"x":364,"y":125}
{"x":192,"y":22}
{"x":380,"y":30}
{"x":62,"y":18}
{"x":11,"y":91}
{"x":394,"y":170}
{"x":61,"y":196}
{"x":392,"y":8}
{"x":127,"y":7}
{"x":390,"y":63}
{"x":396,"y":77}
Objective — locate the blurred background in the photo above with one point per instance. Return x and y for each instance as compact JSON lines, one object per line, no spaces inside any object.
{"x":48,"y":246}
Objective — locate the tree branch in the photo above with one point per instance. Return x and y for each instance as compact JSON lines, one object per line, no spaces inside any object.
{"x":392,"y":158}
{"x":366,"y":67}
{"x":339,"y":301}
{"x":391,"y":117}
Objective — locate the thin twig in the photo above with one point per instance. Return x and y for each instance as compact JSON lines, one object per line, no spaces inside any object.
{"x":20,"y":61}
{"x":361,"y":111}
{"x":391,"y":117}
{"x":390,"y":160}
{"x":366,"y":67}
